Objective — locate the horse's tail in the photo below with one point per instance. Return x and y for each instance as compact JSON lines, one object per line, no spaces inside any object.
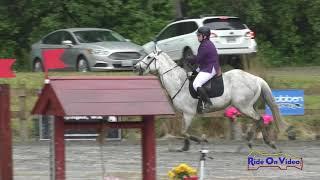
{"x":268,"y":98}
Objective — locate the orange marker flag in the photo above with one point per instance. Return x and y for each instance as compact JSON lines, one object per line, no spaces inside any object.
{"x":5,"y":68}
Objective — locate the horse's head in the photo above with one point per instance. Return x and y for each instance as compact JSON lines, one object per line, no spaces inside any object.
{"x":149,"y":63}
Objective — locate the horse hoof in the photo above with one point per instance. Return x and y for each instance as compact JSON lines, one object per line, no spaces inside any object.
{"x":279,"y":151}
{"x":185,"y":149}
{"x":205,"y":140}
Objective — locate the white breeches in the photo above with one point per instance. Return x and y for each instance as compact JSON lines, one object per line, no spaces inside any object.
{"x":202,"y":78}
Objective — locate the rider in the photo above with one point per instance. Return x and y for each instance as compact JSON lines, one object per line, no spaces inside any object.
{"x":208,"y":61}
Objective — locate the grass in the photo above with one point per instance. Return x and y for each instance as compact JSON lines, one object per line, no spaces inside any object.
{"x":35,"y":80}
{"x":312,"y":102}
{"x":295,"y":82}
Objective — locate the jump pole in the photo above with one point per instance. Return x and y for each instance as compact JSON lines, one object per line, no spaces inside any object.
{"x":5,"y":134}
{"x":6,"y":172}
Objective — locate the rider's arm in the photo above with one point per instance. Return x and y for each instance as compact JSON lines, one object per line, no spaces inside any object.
{"x":201,"y":55}
{"x":191,"y":59}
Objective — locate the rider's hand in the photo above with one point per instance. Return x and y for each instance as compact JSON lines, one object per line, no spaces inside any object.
{"x":190,"y":59}
{"x":194,"y":73}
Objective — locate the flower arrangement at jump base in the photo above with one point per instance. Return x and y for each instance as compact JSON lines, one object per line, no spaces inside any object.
{"x":183,"y":172}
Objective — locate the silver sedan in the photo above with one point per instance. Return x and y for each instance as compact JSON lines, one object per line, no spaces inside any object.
{"x":88,"y":49}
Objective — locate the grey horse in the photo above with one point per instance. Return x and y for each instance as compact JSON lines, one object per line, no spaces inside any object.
{"x":241,"y":90}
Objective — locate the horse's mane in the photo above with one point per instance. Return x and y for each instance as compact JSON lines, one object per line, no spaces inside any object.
{"x":182,"y":72}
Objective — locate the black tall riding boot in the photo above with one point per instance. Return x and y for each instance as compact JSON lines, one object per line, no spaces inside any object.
{"x":205,"y":98}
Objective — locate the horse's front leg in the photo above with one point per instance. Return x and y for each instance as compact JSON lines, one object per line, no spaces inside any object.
{"x":186,"y":122}
{"x":187,"y":119}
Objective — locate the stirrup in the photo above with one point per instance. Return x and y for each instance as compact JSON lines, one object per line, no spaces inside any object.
{"x":207,"y":108}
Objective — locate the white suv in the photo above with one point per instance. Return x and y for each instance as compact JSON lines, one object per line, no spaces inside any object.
{"x":229,"y":35}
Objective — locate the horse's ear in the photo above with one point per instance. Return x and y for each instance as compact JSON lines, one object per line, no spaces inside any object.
{"x":155,"y":49}
{"x":158,"y":50}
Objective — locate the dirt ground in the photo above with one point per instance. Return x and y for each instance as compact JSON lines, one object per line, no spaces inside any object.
{"x":122,"y":159}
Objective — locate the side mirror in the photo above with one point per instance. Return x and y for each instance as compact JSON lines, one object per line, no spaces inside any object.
{"x":67,"y":43}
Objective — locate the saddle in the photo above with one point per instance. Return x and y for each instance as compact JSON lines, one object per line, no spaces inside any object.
{"x":214,"y":88}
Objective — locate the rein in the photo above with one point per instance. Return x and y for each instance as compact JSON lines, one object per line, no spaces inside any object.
{"x":161,"y":77}
{"x":179,"y":89}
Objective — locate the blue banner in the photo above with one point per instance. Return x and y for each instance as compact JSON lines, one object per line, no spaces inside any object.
{"x":290,"y":102}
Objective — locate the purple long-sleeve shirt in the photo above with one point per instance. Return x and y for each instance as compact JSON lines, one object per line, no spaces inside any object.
{"x":207,"y":57}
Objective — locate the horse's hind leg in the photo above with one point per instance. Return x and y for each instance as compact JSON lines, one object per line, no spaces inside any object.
{"x":266,"y":133}
{"x":250,"y":135}
{"x":250,"y":112}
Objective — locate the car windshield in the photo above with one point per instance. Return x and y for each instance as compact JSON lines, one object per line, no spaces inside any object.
{"x":224,"y":24}
{"x":97,"y":36}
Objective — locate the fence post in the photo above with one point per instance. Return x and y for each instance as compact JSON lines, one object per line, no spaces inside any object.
{"x":22,"y":112}
{"x":5,"y":134}
{"x":236,"y":130}
{"x":245,"y":62}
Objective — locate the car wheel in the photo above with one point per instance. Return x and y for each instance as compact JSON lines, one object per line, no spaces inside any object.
{"x":37,"y":66}
{"x":187,"y":55}
{"x":83,"y":65}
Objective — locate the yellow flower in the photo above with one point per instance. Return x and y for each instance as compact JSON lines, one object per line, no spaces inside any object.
{"x":171,"y":174}
{"x":188,"y":169}
{"x":184,"y":167}
{"x":180,"y":171}
{"x":193,"y":172}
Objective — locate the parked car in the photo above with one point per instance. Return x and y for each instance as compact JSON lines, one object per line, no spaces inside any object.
{"x":89,"y":49}
{"x":229,"y":35}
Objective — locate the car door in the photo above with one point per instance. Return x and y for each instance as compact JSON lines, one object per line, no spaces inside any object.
{"x":176,"y":37}
{"x":187,"y":37}
{"x":167,"y":41}
{"x":53,"y":41}
{"x":71,"y":52}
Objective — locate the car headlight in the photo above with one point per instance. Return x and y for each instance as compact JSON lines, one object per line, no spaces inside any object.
{"x":98,"y":52}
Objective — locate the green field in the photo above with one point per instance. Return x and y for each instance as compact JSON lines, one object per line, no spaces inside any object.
{"x":303,"y":78}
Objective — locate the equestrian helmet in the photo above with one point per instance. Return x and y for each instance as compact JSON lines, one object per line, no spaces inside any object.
{"x":204,"y":31}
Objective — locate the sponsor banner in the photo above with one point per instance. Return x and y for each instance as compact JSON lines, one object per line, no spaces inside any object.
{"x":290,"y":102}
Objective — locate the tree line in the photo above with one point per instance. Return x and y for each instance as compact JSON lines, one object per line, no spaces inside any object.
{"x":288,"y":31}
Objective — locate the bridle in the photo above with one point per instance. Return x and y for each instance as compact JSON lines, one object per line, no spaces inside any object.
{"x":161,"y":75}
